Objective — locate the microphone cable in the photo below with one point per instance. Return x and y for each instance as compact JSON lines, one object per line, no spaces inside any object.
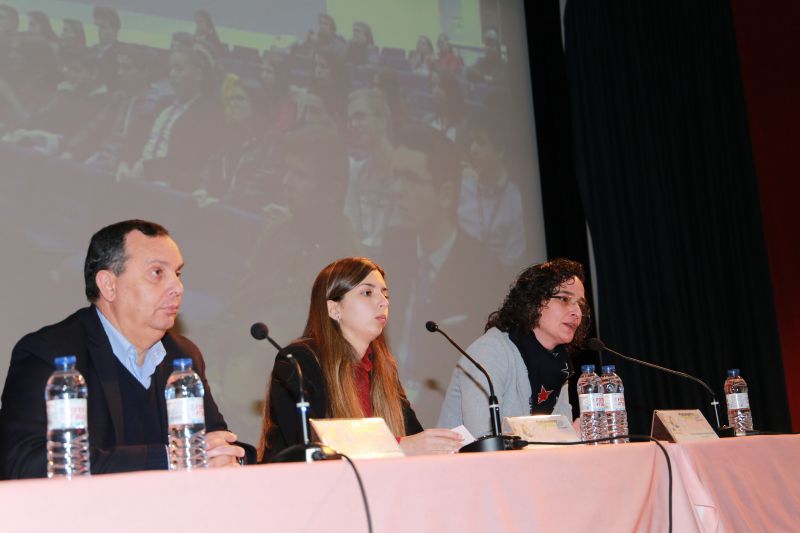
{"x":361,"y":487}
{"x":522,"y":443}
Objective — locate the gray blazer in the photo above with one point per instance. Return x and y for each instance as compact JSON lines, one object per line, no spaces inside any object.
{"x":467,"y":399}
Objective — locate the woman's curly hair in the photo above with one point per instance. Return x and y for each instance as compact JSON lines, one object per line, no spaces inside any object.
{"x":522,"y":307}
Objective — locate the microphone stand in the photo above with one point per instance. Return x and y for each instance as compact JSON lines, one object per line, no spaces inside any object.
{"x":598,"y":345}
{"x":307,"y":451}
{"x":488,"y":443}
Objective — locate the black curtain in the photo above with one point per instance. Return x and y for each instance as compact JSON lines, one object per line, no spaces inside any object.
{"x":664,"y":167}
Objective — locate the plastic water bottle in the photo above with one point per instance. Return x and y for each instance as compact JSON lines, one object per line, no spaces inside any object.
{"x":614,"y":399}
{"x":186,"y":418}
{"x":739,"y":416}
{"x":67,"y":421}
{"x":592,"y":403}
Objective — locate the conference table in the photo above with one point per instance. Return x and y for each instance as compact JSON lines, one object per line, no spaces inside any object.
{"x":737,"y":484}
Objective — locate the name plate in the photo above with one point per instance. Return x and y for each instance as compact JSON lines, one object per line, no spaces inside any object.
{"x":681,"y":425}
{"x":357,"y":438}
{"x":541,"y":428}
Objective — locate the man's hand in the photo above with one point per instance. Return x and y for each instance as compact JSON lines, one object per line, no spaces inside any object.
{"x":220,"y":449}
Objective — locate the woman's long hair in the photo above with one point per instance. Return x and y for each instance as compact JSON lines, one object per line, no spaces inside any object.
{"x":523,"y":304}
{"x":337,"y":358}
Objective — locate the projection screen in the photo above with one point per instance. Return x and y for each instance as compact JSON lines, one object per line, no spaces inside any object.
{"x":268,"y":148}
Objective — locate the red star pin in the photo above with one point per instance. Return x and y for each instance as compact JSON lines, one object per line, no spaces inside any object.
{"x":543,"y":395}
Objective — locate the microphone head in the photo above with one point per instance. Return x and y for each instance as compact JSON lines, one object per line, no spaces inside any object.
{"x":595,"y":344}
{"x":431,"y":326}
{"x":259,"y":331}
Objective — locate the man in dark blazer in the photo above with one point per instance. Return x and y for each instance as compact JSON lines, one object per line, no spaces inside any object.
{"x":125,"y":353}
{"x":433,"y":269}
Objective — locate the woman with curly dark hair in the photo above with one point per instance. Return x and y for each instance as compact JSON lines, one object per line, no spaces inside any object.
{"x":525,"y":350}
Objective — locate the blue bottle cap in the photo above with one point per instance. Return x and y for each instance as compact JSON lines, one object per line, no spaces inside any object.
{"x":733,"y":372}
{"x":586,"y":369}
{"x":184,"y":363}
{"x":65,"y":360}
{"x":609,"y":369}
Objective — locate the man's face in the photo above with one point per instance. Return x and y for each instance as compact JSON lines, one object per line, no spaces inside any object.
{"x":416,"y":198}
{"x":366,"y":126}
{"x":106,"y":32}
{"x":129,"y":74}
{"x":483,"y":154}
{"x":146,"y":297}
{"x":299,"y":186}
{"x":183,"y":77}
{"x":325,"y":27}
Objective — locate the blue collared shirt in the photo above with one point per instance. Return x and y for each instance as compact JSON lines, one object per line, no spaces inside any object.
{"x":128,"y":356}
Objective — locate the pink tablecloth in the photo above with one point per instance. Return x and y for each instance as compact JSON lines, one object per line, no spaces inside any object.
{"x":583,"y":488}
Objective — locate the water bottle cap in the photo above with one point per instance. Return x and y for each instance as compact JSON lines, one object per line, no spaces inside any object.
{"x":733,"y":372}
{"x":182,"y":364}
{"x":586,"y":369}
{"x":65,"y":360}
{"x":609,"y":369}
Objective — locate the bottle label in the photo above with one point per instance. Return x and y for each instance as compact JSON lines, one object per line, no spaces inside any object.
{"x":591,"y":403}
{"x":738,"y":401}
{"x":66,"y":414}
{"x":615,"y":401}
{"x":182,"y":411}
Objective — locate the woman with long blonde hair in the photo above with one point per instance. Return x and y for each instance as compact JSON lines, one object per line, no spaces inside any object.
{"x":348,"y":369}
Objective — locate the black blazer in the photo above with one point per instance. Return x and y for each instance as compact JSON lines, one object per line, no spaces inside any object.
{"x":283,"y":397}
{"x":23,"y":417}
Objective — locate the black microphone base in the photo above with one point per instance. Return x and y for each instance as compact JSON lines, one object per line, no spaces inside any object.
{"x":305,"y":453}
{"x":491,"y":444}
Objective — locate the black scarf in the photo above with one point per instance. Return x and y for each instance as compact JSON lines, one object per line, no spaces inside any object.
{"x":547,"y":371}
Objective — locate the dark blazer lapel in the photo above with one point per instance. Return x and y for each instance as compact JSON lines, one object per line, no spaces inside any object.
{"x":162,"y":374}
{"x":102,"y":358}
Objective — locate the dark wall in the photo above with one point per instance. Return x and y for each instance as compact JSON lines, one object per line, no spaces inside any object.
{"x":768,"y":43}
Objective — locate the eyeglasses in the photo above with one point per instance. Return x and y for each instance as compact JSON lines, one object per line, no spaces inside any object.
{"x":568,"y":301}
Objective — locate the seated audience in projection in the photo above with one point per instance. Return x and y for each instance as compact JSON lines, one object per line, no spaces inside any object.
{"x":422,"y":59}
{"x":490,"y":204}
{"x":73,"y":35}
{"x":447,"y":58}
{"x":348,"y":369}
{"x":186,"y":129}
{"x":361,"y":49}
{"x":108,"y":25}
{"x":124,"y":350}
{"x":205,"y":32}
{"x":449,"y":114}
{"x":280,"y":109}
{"x":491,"y":67}
{"x":28,"y":79}
{"x":78,"y":99}
{"x":331,"y":81}
{"x":117,"y":133}
{"x":324,"y":38}
{"x":301,"y":236}
{"x":368,"y":199}
{"x":526,"y":349}
{"x":239,"y":171}
{"x":440,"y":269}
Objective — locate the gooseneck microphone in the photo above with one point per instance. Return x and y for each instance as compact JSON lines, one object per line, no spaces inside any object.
{"x":260,"y":331}
{"x":495,"y":441}
{"x":597,"y":345}
{"x":307,"y":451}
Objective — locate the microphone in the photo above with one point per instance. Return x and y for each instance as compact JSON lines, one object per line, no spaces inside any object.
{"x":597,"y":345}
{"x":307,"y":451}
{"x":260,"y":331}
{"x":495,"y":441}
